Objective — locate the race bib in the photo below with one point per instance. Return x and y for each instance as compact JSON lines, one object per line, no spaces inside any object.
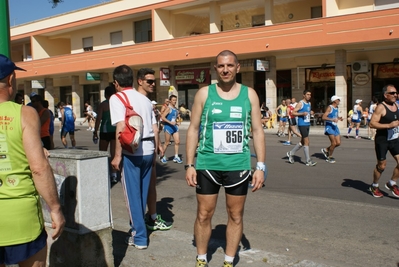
{"x":228,"y":137}
{"x":355,"y":116}
{"x":393,"y":133}
{"x":306,"y":118}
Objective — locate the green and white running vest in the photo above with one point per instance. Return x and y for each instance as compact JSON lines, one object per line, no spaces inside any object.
{"x":225,"y":133}
{"x":21,"y":219}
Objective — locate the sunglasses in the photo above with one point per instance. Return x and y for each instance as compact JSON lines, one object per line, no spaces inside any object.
{"x":150,"y":81}
{"x":392,"y":93}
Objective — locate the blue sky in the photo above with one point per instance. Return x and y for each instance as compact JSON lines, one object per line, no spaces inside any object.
{"x":23,"y":11}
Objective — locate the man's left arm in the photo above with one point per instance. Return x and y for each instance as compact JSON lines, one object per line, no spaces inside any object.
{"x":259,"y":140}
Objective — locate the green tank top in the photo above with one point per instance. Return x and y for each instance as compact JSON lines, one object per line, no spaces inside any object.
{"x":224,"y":137}
{"x":106,"y":126}
{"x":21,"y":218}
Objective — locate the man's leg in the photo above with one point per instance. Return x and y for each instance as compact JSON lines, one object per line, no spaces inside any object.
{"x":63,"y":139}
{"x":235,"y":212}
{"x":152,"y":192}
{"x":37,"y":260}
{"x":202,"y":226}
{"x":166,"y":143}
{"x":73,"y":141}
{"x":176,"y":138}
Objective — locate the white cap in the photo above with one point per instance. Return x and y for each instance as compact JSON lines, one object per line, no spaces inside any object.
{"x":154,"y":102}
{"x":334,"y":97}
{"x":358,"y":101}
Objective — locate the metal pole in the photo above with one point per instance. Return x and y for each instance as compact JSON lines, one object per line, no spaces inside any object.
{"x":4,"y":28}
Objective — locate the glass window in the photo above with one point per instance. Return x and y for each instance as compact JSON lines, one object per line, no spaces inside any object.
{"x":143,"y":31}
{"x":87,"y":44}
{"x":116,"y":38}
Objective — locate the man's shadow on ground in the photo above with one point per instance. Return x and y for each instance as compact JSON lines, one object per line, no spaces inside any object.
{"x":218,"y":240}
{"x":360,"y":185}
{"x":71,"y":248}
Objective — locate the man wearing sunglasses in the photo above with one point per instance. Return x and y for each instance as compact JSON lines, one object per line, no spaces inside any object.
{"x":385,"y":120}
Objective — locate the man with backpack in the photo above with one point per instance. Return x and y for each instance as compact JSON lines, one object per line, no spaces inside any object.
{"x":135,"y":165}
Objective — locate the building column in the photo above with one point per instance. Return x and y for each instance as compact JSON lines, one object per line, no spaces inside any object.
{"x":49,"y":93}
{"x":271,"y":84}
{"x":341,"y":85}
{"x":214,"y":17}
{"x":27,"y":90}
{"x":212,"y":71}
{"x":298,"y":78}
{"x":104,"y":83}
{"x":77,"y":96}
{"x":269,"y":7}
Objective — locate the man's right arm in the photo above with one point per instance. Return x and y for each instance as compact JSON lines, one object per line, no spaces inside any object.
{"x":192,"y":133}
{"x":41,"y":171}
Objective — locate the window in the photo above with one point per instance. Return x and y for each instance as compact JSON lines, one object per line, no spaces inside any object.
{"x":258,"y":20}
{"x":316,"y":12}
{"x":87,"y":44}
{"x":116,"y":38}
{"x":143,"y":31}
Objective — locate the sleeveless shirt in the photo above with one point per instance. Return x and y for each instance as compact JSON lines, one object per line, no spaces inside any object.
{"x":392,"y":133}
{"x":304,"y":120}
{"x":21,"y":218}
{"x":106,"y":125}
{"x":225,"y":133}
{"x":332,"y":115}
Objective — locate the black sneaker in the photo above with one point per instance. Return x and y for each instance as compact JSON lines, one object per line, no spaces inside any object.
{"x":158,"y":224}
{"x":325,"y":153}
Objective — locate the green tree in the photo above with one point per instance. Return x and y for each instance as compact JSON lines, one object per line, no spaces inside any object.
{"x":55,"y":2}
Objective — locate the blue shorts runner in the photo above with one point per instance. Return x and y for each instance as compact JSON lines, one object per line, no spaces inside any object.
{"x":170,"y":129}
{"x":18,"y":253}
{"x":332,"y":131}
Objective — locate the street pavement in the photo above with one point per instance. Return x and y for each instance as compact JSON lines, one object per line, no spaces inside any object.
{"x":304,"y":216}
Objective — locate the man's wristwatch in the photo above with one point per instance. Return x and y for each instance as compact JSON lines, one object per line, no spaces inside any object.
{"x":261,"y":166}
{"x":189,"y":166}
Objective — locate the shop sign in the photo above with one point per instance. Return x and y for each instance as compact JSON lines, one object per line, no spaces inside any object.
{"x":361,"y":79}
{"x":382,"y":71}
{"x":194,"y":76}
{"x":262,"y":65}
{"x":93,"y":76}
{"x":164,"y":74}
{"x":38,"y":84}
{"x":320,"y":75}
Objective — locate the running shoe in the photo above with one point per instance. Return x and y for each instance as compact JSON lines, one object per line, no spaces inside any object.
{"x":177,"y":160}
{"x":325,"y":153}
{"x":158,"y":224}
{"x":129,"y":241}
{"x":347,"y":136}
{"x":375,"y":191}
{"x":114,"y":179}
{"x":357,"y":137}
{"x":163,"y":160}
{"x":290,"y":159}
{"x":330,"y":160}
{"x":227,"y":264}
{"x":311,"y":163}
{"x":286,"y":143}
{"x":394,"y":189}
{"x":201,"y":263}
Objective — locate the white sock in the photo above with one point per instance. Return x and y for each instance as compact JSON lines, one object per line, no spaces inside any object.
{"x":228,"y":258}
{"x":202,"y":257}
{"x":392,"y":182}
{"x":176,"y":155}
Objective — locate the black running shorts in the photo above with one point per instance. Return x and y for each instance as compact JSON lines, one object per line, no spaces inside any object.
{"x":234,"y":182}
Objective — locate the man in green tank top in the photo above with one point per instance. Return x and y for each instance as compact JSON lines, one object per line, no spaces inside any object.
{"x":25,"y":173}
{"x":226,"y":112}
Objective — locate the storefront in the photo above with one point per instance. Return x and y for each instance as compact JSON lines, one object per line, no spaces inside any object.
{"x":188,"y":82}
{"x":384,"y":74}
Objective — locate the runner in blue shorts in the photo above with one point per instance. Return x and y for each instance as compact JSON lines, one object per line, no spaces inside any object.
{"x":331,"y":119}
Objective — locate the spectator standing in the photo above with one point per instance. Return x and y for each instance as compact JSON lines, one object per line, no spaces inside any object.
{"x":107,"y":130}
{"x":19,"y":99}
{"x":223,"y":154}
{"x":135,"y":168}
{"x":373,"y":106}
{"x":154,"y":221}
{"x":23,"y":236}
{"x":51,"y":126}
{"x":45,"y":118}
{"x":291,"y":123}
